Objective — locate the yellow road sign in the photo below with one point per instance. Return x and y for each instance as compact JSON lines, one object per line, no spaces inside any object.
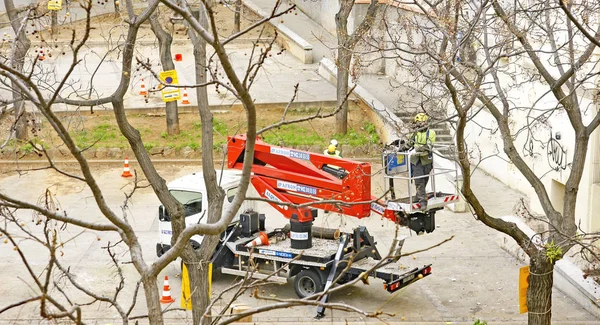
{"x":523,"y":285}
{"x":54,"y":4}
{"x":169,"y":94}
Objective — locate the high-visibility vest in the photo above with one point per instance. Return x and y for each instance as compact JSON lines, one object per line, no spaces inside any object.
{"x":420,"y":139}
{"x":336,"y":154}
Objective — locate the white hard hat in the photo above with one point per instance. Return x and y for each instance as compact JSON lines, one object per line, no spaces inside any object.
{"x":334,"y":142}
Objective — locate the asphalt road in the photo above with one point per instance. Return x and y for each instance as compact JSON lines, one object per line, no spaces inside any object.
{"x":472,"y":277}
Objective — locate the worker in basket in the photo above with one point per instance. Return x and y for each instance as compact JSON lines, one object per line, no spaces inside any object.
{"x":421,"y":163}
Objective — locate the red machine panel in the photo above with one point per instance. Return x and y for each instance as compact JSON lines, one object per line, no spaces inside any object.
{"x":295,"y":176}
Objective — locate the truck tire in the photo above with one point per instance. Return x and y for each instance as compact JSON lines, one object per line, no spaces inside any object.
{"x":307,"y":283}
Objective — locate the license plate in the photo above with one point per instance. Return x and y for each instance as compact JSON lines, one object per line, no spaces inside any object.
{"x":408,"y":278}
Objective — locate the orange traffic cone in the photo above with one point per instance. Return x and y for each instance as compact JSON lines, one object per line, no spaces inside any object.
{"x":166,"y":296}
{"x":262,"y":239}
{"x":126,"y":171}
{"x":41,"y":56}
{"x":143,"y":91}
{"x":185,"y":100}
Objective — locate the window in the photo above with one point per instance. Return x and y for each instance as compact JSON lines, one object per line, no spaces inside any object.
{"x":192,"y":201}
{"x":231,"y":194}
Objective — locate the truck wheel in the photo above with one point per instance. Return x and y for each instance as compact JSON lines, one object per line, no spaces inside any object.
{"x":307,"y":283}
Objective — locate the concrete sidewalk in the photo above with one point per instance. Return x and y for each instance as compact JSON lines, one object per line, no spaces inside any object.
{"x":272,"y":87}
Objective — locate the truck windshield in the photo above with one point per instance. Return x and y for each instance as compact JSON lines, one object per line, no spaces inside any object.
{"x":192,"y":201}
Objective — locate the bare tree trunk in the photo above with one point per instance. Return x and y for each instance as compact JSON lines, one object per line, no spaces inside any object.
{"x":152,"y":297}
{"x":165,"y":40}
{"x":54,"y":22}
{"x":236,"y":17}
{"x":200,"y":60}
{"x":539,"y":294}
{"x":201,"y":72}
{"x":21,"y":48}
{"x":198,"y":270}
{"x":343,"y":68}
{"x":199,"y":276}
{"x":149,"y":280}
{"x":346,"y":44}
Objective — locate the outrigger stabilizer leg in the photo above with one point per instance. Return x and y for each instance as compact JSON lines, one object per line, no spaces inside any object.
{"x":338,"y":256}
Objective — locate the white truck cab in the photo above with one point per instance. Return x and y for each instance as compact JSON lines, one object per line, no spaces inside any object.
{"x":190,"y":190}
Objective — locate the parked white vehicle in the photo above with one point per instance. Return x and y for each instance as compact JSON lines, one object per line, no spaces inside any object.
{"x":190,"y":190}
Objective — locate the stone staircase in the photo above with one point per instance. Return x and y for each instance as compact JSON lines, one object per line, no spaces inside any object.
{"x":444,"y":139}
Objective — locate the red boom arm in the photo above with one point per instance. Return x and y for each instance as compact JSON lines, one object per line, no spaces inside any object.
{"x":295,"y":176}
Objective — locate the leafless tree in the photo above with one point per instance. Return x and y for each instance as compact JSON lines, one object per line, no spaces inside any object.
{"x":346,"y":43}
{"x":166,"y":59}
{"x":44,"y":93}
{"x":20,"y":47}
{"x":523,"y":65}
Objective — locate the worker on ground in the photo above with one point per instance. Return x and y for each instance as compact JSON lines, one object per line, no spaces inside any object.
{"x":421,"y":163}
{"x":332,"y":151}
{"x":334,"y":142}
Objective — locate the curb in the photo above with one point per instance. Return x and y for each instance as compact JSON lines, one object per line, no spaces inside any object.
{"x":179,"y":161}
{"x":193,"y":108}
{"x":568,"y":278}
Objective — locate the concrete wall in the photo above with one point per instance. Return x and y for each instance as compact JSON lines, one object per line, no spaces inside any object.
{"x":321,"y":11}
{"x":593,"y":214}
{"x":288,"y":39}
{"x":547,"y":149}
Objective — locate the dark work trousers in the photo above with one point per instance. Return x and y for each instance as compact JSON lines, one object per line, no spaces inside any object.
{"x":419,"y":169}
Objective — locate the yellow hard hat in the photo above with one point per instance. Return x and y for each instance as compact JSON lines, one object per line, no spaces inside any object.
{"x":421,"y":117}
{"x":331,"y":148}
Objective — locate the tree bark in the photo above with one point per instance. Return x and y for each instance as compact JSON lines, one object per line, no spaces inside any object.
{"x":164,"y":41}
{"x":346,"y":44}
{"x":216,"y":195}
{"x":18,"y":60}
{"x":201,"y":72}
{"x":343,"y":68}
{"x":236,"y":17}
{"x":54,"y":22}
{"x":200,"y":61}
{"x":539,"y":294}
{"x":151,"y":293}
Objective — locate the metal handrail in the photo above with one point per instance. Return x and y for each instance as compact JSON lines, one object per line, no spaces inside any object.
{"x":409,"y":177}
